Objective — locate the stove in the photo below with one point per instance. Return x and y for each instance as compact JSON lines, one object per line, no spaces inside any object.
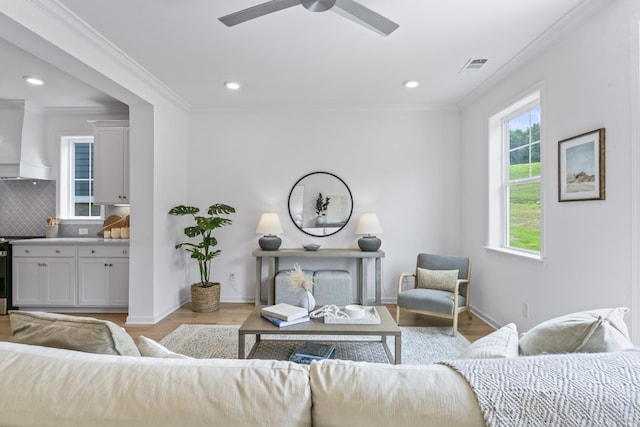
{"x":5,"y":271}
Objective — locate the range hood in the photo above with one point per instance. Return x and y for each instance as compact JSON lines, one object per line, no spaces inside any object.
{"x":22,"y":154}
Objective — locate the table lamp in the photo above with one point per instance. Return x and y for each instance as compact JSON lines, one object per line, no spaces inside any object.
{"x":270,"y":226}
{"x":367,"y":226}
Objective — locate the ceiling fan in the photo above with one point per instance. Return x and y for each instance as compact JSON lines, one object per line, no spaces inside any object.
{"x":347,"y":8}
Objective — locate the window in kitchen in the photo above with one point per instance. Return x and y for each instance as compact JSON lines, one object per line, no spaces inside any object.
{"x":76,"y":179}
{"x":515,"y":194}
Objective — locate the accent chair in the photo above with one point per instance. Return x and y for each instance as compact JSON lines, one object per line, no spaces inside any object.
{"x":440,"y":288}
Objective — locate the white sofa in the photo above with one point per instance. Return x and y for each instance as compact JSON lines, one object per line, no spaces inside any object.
{"x":595,"y":380}
{"x":42,"y":386}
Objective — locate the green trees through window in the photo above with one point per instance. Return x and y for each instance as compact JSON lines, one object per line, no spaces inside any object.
{"x":523,"y":180}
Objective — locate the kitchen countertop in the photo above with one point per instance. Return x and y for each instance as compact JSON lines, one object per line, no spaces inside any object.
{"x":71,"y":241}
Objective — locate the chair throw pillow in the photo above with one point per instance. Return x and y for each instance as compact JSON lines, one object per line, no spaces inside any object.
{"x":592,"y":331}
{"x":437,"y":279}
{"x":72,"y":333}
{"x":150,"y":348}
{"x":499,"y":344}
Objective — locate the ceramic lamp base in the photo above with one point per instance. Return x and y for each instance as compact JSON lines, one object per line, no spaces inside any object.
{"x":369,"y":243}
{"x":269,"y":243}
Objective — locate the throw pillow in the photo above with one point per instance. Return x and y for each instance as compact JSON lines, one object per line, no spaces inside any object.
{"x":150,"y":348}
{"x":500,"y":344}
{"x":437,"y":279}
{"x":590,"y":331}
{"x":72,"y":333}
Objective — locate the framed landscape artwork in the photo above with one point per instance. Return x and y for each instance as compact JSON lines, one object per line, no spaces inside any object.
{"x":581,"y":167}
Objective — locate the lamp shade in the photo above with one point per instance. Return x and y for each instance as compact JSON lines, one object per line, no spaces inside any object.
{"x":368,"y":224}
{"x":269,"y":224}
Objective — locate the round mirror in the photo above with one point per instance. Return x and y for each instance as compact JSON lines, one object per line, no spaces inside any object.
{"x":320,"y":204}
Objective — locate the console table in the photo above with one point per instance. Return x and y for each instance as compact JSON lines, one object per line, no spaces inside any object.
{"x":362,"y":258}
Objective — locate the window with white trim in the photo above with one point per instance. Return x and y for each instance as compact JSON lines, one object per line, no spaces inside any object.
{"x":76,"y":179}
{"x":515,"y":196}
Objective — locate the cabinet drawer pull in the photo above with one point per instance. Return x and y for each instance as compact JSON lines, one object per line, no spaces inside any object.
{"x":26,"y":251}
{"x":57,"y":251}
{"x":92,"y":251}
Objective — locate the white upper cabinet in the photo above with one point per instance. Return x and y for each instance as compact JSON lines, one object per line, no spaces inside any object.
{"x":111,"y":159}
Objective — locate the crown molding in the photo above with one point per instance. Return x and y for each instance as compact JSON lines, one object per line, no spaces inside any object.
{"x":88,"y":110}
{"x":288,"y":108}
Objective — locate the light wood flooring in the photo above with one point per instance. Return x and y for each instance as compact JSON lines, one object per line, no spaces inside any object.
{"x":235,"y":314}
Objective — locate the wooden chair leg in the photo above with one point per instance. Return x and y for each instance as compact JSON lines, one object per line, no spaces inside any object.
{"x":455,"y":324}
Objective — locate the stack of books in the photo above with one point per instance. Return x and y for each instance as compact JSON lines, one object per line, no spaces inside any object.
{"x":284,"y":314}
{"x":309,"y":351}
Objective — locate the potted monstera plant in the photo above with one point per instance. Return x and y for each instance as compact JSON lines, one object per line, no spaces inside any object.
{"x":205,"y":295}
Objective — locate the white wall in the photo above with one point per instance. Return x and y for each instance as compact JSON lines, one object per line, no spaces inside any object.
{"x":403,"y":165}
{"x":588,"y":84}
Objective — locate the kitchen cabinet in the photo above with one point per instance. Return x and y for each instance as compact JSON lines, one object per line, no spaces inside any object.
{"x":111,"y":162}
{"x":71,"y":275}
{"x":44,"y":276}
{"x":103,"y":276}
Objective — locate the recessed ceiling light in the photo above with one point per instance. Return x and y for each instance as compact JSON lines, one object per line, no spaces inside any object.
{"x":33,"y":80}
{"x":232,"y":85}
{"x":411,"y":84}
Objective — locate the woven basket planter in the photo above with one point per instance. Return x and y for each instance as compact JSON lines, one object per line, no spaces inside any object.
{"x":205,"y":300}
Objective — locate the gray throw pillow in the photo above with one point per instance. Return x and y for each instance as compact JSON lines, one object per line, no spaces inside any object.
{"x":592,"y":331}
{"x":72,"y":333}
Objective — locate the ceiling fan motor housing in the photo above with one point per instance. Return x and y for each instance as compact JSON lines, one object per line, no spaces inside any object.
{"x":318,"y":5}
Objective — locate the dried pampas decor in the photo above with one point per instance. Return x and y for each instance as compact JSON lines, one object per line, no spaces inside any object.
{"x":299,"y":280}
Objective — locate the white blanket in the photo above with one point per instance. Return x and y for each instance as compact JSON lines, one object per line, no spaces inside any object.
{"x":588,"y":389}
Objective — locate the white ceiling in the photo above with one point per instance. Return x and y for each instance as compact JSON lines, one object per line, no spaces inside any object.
{"x":60,"y":89}
{"x":299,"y":58}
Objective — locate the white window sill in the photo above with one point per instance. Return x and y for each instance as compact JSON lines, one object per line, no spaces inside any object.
{"x":520,"y":254}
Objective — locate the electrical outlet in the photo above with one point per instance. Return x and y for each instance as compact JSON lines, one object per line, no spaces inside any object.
{"x":83,"y":231}
{"x":232,"y":277}
{"x":525,"y":310}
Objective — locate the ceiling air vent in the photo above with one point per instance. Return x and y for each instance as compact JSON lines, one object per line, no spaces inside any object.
{"x":474,"y":64}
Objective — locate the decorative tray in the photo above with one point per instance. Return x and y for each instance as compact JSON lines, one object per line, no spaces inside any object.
{"x":371,"y":317}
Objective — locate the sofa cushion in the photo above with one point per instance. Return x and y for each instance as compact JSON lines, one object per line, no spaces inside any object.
{"x":62,"y":388}
{"x":499,"y":344}
{"x":348,"y":393}
{"x":150,"y":348}
{"x":589,"y":331}
{"x":437,"y":279}
{"x":71,"y":332}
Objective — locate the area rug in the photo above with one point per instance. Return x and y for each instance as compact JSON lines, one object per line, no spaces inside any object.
{"x":420,"y":345}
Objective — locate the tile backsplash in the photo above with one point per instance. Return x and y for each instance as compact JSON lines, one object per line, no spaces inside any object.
{"x":25,"y":206}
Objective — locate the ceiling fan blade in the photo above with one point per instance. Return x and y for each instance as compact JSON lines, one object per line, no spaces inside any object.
{"x":257,"y":11}
{"x":365,"y":16}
